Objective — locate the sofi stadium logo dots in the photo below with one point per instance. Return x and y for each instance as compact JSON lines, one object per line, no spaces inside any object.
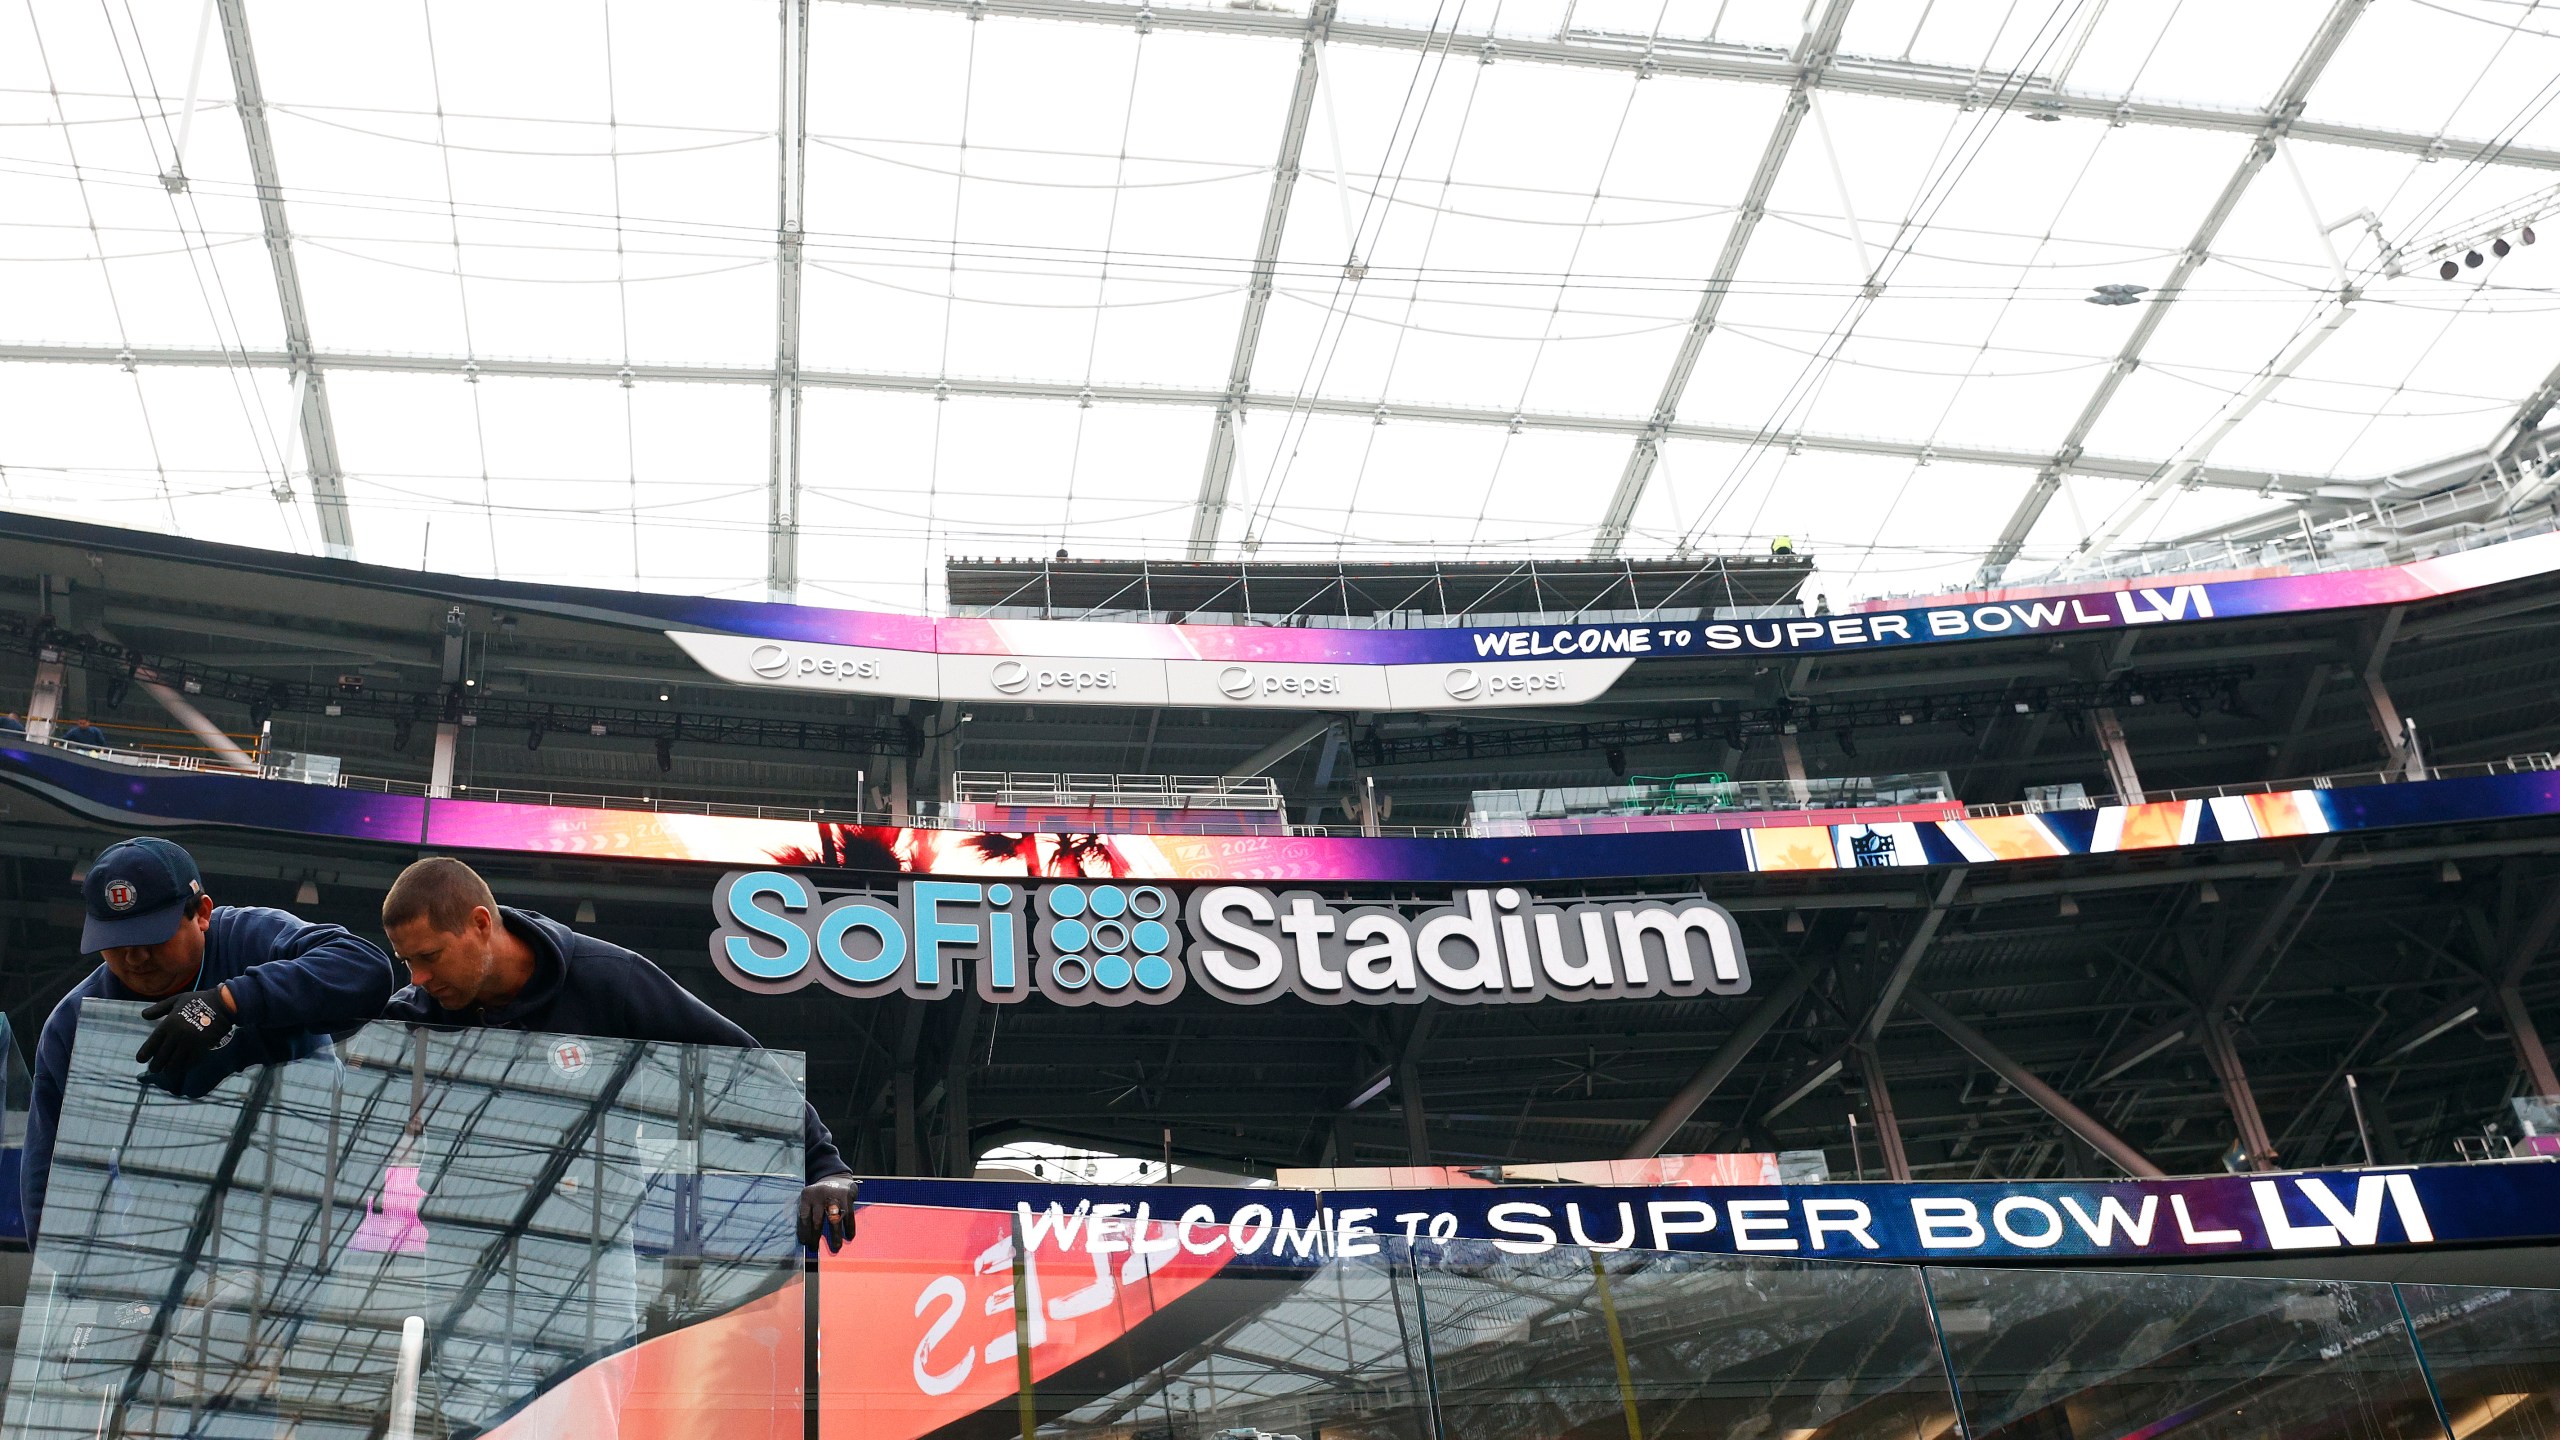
{"x":1106,"y":944}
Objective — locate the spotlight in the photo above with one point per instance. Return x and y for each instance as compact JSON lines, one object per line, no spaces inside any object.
{"x":666,"y":753}
{"x":2449,"y":873}
{"x":1904,"y":718}
{"x":2499,"y":248}
{"x":2526,"y":235}
{"x":1617,"y":758}
{"x":2448,"y":270}
{"x":80,"y":873}
{"x":533,"y":738}
{"x":1849,"y":743}
{"x":261,"y":710}
{"x":2206,"y":894}
{"x":115,"y":693}
{"x":596,"y":728}
{"x":1965,"y":724}
{"x":664,"y":696}
{"x":2472,"y":260}
{"x":1795,"y":922}
{"x":2020,"y":707}
{"x":309,"y":894}
{"x":586,"y":912}
{"x":2070,"y":908}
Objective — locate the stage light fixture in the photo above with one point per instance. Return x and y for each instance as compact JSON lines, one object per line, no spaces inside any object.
{"x":586,"y":912}
{"x":2070,"y":908}
{"x":2449,"y":269}
{"x":2499,"y":247}
{"x":2207,"y":894}
{"x":666,"y":753}
{"x":2472,"y":260}
{"x":2526,"y":235}
{"x":2449,"y":873}
{"x":1795,"y":922}
{"x":533,"y":738}
{"x":1848,"y":743}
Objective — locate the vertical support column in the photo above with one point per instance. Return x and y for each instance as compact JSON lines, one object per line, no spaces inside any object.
{"x":2398,"y":734}
{"x":44,"y":702}
{"x":959,"y":1157}
{"x":1793,"y":754}
{"x":2224,"y":1057}
{"x":1897,"y":1165}
{"x":1417,"y":1123}
{"x":2120,"y":771}
{"x":448,"y":727}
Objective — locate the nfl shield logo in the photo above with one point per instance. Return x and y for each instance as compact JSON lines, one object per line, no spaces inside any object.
{"x":121,"y":895}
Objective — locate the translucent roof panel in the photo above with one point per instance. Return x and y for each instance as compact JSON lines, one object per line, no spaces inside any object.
{"x":1436,"y":265}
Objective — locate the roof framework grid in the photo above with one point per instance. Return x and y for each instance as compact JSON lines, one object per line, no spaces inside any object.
{"x":2281,"y":114}
{"x":319,"y":434}
{"x":1905,"y":79}
{"x":1812,"y":56}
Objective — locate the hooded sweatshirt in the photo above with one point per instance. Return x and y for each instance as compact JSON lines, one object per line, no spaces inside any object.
{"x":585,"y":986}
{"x":292,"y":984}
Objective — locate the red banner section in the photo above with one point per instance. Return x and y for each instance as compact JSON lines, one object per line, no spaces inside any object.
{"x":738,"y":1376}
{"x":918,"y":1318}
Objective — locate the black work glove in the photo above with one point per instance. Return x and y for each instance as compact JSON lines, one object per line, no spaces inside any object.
{"x":826,"y":1212}
{"x":190,"y":1027}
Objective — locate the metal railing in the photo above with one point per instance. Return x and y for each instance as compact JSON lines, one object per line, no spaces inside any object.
{"x":2530,"y":762}
{"x":1114,"y":792}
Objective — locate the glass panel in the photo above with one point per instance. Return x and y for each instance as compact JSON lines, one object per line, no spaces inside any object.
{"x":1658,"y":1346}
{"x":594,"y":1233}
{"x":1179,"y":1339}
{"x":2080,"y":1353}
{"x":2494,"y":1356}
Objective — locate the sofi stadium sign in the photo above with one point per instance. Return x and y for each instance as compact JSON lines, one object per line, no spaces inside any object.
{"x":1116,"y":943}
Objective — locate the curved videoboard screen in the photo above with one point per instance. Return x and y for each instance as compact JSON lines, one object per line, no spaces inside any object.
{"x":127,"y":796}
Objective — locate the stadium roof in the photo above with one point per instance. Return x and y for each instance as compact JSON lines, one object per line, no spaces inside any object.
{"x":801,"y":298}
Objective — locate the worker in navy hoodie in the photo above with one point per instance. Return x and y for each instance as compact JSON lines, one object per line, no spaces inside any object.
{"x":235,"y":986}
{"x":474,"y":962}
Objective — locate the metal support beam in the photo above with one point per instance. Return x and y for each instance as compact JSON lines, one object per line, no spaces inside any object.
{"x":2224,"y":1057}
{"x":1280,"y":749}
{"x":2328,"y":489}
{"x":2051,"y":1101}
{"x":1812,"y":55}
{"x":2527,"y":1039}
{"x":1959,"y":85}
{"x":1678,"y":1110}
{"x":2120,"y":771}
{"x":1897,"y":1164}
{"x":1217,"y":473}
{"x":2280,"y":118}
{"x":1896,"y":981}
{"x":319,"y":436}
{"x":782,"y":486}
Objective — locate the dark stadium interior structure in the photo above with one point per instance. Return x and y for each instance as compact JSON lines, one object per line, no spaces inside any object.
{"x":2146,"y":987}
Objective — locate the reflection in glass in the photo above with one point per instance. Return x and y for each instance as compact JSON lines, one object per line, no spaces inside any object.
{"x":589,"y":1229}
{"x":948,"y":1317}
{"x":2494,"y":1356}
{"x":1655,"y":1346}
{"x":2071,"y":1353}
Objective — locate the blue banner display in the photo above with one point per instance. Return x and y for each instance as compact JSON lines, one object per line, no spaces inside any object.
{"x":2321,"y":1211}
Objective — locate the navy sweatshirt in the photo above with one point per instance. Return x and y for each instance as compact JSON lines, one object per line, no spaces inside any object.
{"x":585,"y":986}
{"x":292,"y":984}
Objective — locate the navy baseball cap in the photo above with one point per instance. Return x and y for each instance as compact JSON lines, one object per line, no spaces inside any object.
{"x":137,"y":892}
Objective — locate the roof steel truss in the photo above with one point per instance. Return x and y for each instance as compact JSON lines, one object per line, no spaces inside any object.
{"x":2274,"y":124}
{"x":319,"y":436}
{"x":2343,"y":489}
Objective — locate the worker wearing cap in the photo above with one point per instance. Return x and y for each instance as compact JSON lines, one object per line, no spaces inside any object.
{"x":474,"y":962}
{"x":235,"y":986}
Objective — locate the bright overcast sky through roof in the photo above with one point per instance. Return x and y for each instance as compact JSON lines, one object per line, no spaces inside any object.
{"x":547,"y":281}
